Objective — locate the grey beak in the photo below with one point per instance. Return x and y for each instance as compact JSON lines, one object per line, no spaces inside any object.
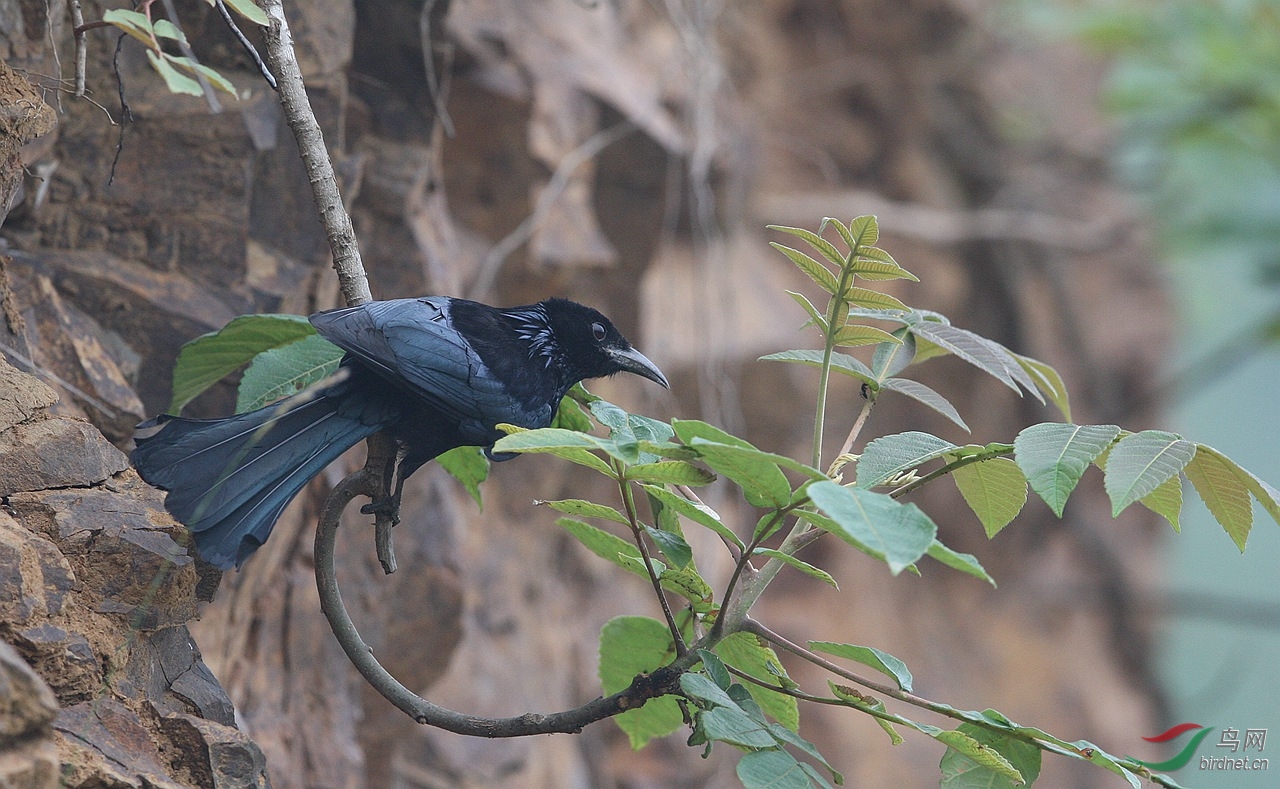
{"x":633,"y":361}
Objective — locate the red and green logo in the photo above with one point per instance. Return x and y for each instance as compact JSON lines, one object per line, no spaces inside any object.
{"x":1184,"y":756}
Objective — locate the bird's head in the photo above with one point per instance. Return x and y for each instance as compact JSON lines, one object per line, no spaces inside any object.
{"x":595,"y":347}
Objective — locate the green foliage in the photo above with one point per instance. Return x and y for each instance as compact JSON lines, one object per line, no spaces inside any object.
{"x":152,"y":33}
{"x":733,"y":687}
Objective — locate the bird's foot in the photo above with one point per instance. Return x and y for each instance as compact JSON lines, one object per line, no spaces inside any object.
{"x":387,"y":507}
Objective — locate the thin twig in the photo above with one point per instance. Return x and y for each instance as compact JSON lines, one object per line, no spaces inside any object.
{"x":247,"y":45}
{"x":633,"y":518}
{"x":82,"y":50}
{"x":210,"y":97}
{"x":857,"y":427}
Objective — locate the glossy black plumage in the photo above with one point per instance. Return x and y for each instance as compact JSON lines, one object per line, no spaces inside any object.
{"x":436,"y":373}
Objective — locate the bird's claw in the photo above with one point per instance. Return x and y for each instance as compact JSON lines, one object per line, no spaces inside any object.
{"x":388,"y":507}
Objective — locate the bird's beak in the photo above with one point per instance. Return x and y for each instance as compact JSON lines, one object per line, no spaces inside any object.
{"x":633,"y":361}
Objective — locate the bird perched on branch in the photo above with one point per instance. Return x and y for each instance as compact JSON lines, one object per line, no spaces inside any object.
{"x":435,"y":373}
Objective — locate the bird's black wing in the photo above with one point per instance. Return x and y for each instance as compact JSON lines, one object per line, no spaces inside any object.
{"x":412,"y":343}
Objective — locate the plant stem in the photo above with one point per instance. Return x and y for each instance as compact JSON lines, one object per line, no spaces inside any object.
{"x":944,"y":470}
{"x":637,"y":533}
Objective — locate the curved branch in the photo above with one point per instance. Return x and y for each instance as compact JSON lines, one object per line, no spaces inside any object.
{"x":661,"y":682}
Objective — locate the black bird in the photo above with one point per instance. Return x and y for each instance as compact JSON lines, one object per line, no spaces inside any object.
{"x":436,"y":373}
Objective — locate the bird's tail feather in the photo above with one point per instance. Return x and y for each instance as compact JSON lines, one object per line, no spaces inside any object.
{"x":229,"y":479}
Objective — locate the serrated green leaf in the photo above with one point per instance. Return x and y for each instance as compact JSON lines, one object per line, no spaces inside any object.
{"x":889,"y":358}
{"x":249,"y":10}
{"x":687,"y":583}
{"x":902,"y":533}
{"x":1141,"y":462}
{"x":571,"y":416}
{"x":211,"y":357}
{"x":996,"y":491}
{"x":854,"y":335}
{"x":1166,"y":501}
{"x":987,"y":355}
{"x":817,"y":272}
{"x":962,"y":771}
{"x":632,"y":645}
{"x":672,"y":546}
{"x":1049,"y":382}
{"x":670,"y":472}
{"x":874,"y":299}
{"x":698,"y":513}
{"x":840,"y":363}
{"x":873,"y":269}
{"x":1054,"y":455}
{"x":983,"y":755}
{"x":763,"y":483}
{"x":964,"y":562}
{"x":745,"y":653}
{"x":865,"y":231}
{"x":816,"y":317}
{"x":568,"y":444}
{"x":1266,"y":495}
{"x":469,"y":466}
{"x":587,"y":509}
{"x":868,"y":656}
{"x":772,"y":769}
{"x":173,"y":79}
{"x":925,"y":396}
{"x":823,"y":246}
{"x":716,"y":671}
{"x":1223,"y":489}
{"x":802,"y":566}
{"x":607,"y":546}
{"x":890,"y":456}
{"x":282,"y":372}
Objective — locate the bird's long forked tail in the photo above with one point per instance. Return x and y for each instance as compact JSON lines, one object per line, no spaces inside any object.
{"x":229,"y":479}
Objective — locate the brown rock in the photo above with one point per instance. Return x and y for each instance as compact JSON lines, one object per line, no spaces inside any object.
{"x":34,"y":577}
{"x":218,"y":756}
{"x":21,"y":395}
{"x":56,"y":453}
{"x":27,"y":704}
{"x":104,"y":743}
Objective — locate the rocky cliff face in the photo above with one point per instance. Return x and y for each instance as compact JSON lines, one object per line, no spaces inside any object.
{"x":482,"y":150}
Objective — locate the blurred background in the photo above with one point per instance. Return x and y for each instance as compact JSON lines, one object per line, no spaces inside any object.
{"x":1095,"y":184}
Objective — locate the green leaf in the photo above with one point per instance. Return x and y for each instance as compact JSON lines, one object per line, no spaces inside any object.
{"x":672,"y":546}
{"x":1222,"y":486}
{"x":926,"y":396}
{"x":891,"y":456}
{"x":840,"y":363}
{"x":632,"y":645}
{"x":816,"y":317}
{"x":983,"y":756}
{"x":865,"y":231}
{"x":802,"y":566}
{"x":689,"y":585}
{"x":1266,"y":495}
{"x":874,"y":299}
{"x":134,"y":23}
{"x":1048,"y":381}
{"x":892,"y":358}
{"x":823,"y":246}
{"x":960,"y":771}
{"x":284,"y":371}
{"x":744,"y":652}
{"x":166,"y":29}
{"x":994,"y":489}
{"x":587,"y":509}
{"x":1141,"y":462}
{"x":987,"y":355}
{"x":698,"y":513}
{"x":875,"y":267}
{"x":211,"y":357}
{"x":217,"y":80}
{"x":756,"y":472}
{"x":469,"y":466}
{"x":901,"y":532}
{"x":568,"y":444}
{"x":772,"y":769}
{"x":570,"y":416}
{"x":175,"y":80}
{"x":670,"y":472}
{"x":1166,"y":501}
{"x":607,"y":546}
{"x":715,"y":669}
{"x":786,"y":736}
{"x":868,"y":656}
{"x":812,"y":268}
{"x":853,"y":335}
{"x":732,"y":725}
{"x":964,"y":562}
{"x":248,"y":10}
{"x":1054,"y":455}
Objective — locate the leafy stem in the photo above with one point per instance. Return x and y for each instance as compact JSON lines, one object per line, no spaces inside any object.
{"x":637,"y":533}
{"x":977,"y":457}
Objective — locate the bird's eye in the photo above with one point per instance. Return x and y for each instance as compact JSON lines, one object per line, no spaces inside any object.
{"x":597,"y":329}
